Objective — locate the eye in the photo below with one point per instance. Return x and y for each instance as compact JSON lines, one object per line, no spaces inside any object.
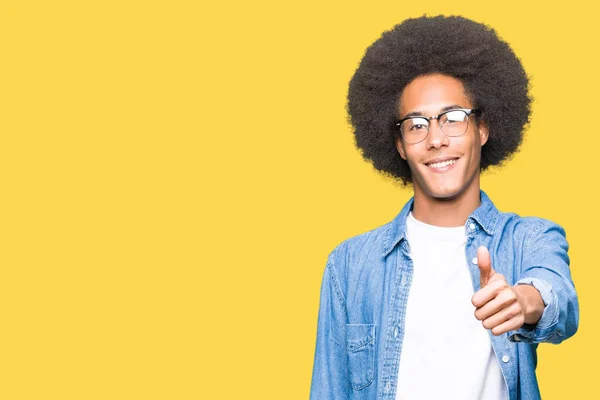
{"x":418,"y":127}
{"x":417,"y":124}
{"x":454,"y":117}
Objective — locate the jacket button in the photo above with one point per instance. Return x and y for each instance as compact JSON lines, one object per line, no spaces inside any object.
{"x":396,"y":332}
{"x":472,"y":226}
{"x":474,"y":260}
{"x":505,"y":359}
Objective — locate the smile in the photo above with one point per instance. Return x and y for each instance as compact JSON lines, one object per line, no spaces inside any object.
{"x":443,"y":164}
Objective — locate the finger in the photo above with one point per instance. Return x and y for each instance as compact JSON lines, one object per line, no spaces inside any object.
{"x":485,"y":265}
{"x":483,"y":296}
{"x":505,"y":314}
{"x":505,"y":298}
{"x":511,"y":325}
{"x":495,"y":276}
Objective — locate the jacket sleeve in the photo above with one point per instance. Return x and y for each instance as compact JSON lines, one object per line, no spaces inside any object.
{"x":545,"y":266}
{"x":330,"y":369}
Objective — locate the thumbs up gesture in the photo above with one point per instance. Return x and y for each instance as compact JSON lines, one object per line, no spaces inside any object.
{"x":484,"y":263}
{"x":500,"y":306}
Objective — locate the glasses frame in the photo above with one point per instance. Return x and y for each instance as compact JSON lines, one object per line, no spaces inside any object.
{"x":468,"y":111}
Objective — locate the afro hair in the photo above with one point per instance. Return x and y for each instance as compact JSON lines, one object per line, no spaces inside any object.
{"x":492,"y":75}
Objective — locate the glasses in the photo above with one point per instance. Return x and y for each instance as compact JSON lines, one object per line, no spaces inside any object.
{"x":452,"y":123}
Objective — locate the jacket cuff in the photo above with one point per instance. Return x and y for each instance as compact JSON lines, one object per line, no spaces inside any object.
{"x":542,"y":331}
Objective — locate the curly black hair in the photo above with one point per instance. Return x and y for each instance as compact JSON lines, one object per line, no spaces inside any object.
{"x":492,"y":75}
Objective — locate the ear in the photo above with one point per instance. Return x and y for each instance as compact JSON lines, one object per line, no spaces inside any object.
{"x":483,"y":132}
{"x":400,"y":147}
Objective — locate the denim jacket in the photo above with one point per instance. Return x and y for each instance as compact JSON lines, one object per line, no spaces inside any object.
{"x":365,"y":290}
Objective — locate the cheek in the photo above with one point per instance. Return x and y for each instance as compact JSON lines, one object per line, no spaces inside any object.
{"x":474,"y":157}
{"x":411,"y":155}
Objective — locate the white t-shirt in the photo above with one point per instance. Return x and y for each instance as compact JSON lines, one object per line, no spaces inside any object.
{"x":446,"y":352}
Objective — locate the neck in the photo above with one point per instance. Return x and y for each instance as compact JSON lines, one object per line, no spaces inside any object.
{"x":446,"y":212}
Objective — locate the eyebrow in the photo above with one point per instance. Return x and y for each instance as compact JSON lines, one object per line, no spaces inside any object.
{"x":422,"y":114}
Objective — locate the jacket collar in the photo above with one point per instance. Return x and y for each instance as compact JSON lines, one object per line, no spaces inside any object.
{"x":486,"y":216}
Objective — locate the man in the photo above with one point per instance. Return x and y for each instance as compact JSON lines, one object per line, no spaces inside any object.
{"x":451,"y":298}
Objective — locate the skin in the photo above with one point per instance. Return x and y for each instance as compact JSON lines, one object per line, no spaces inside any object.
{"x":447,"y":199}
{"x":502,"y":307}
{"x":442,"y":199}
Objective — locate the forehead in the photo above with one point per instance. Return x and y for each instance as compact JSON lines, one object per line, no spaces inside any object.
{"x":428,"y":94}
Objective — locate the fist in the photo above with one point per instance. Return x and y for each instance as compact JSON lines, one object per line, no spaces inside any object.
{"x":498,"y":305}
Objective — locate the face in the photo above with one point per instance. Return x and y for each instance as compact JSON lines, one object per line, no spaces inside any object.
{"x":430,"y":95}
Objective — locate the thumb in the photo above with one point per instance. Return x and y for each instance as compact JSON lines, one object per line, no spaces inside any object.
{"x":485,"y":265}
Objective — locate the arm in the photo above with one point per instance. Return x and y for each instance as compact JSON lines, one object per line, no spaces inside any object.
{"x":532,"y":303}
{"x":542,"y":306}
{"x":545,"y":267}
{"x":330,"y":370}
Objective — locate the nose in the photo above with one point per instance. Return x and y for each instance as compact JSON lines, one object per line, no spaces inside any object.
{"x":436,"y":138}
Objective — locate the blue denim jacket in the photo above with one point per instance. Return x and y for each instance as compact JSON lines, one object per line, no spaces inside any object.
{"x":365,"y":289}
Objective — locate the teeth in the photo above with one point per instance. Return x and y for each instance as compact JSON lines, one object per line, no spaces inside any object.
{"x":442,"y":164}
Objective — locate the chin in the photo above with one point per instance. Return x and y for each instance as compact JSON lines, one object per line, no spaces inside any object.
{"x":443,"y":193}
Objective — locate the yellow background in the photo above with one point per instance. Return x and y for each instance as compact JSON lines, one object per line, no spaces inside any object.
{"x":173,"y":175}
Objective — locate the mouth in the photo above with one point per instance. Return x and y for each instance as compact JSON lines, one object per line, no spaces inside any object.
{"x":442,"y":166}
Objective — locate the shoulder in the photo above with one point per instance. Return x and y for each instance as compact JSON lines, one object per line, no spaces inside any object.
{"x":528,"y":230}
{"x":510,"y":224}
{"x":364,"y":243}
{"x":529,"y":225}
{"x":357,"y":253}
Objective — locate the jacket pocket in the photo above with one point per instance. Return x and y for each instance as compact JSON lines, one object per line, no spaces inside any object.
{"x":360,"y":341}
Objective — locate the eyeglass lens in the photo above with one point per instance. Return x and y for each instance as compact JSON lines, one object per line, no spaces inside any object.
{"x":452,"y":123}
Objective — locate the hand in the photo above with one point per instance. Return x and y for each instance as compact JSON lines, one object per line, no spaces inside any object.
{"x":500,"y":306}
